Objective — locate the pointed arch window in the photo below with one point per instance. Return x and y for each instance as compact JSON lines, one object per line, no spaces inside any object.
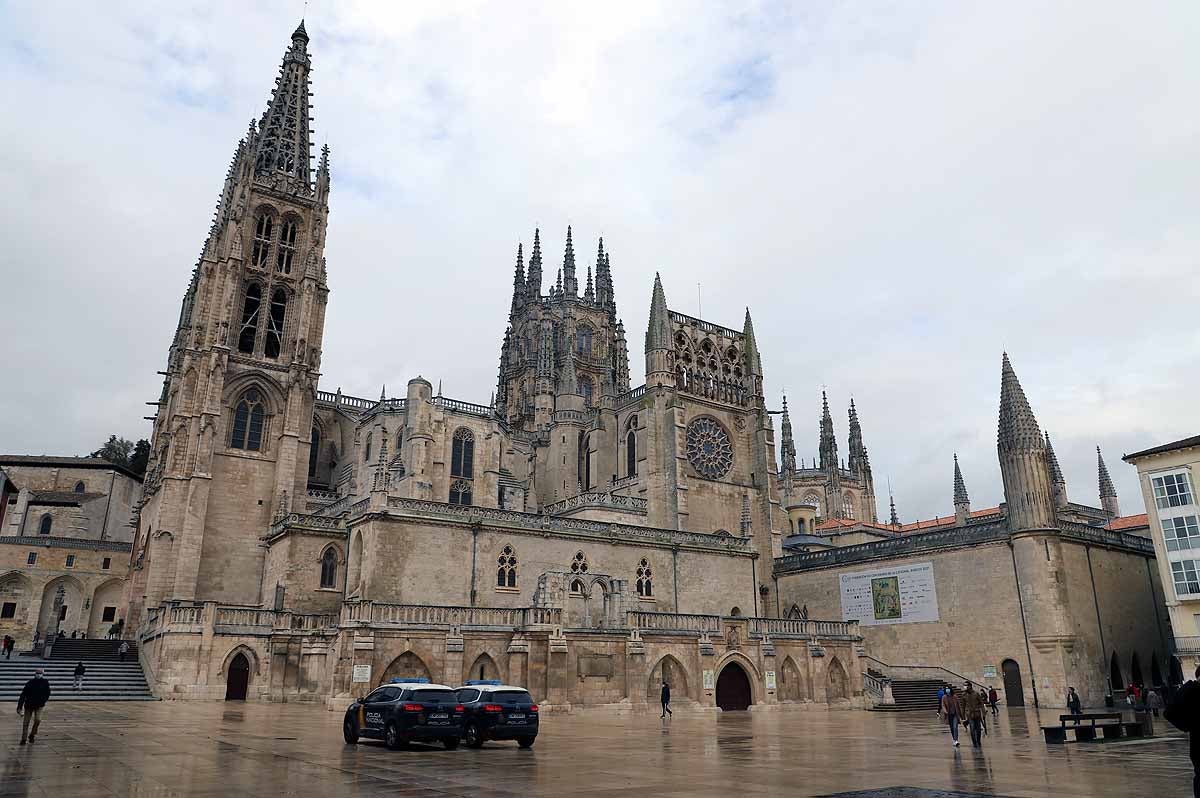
{"x":583,"y":340}
{"x":460,"y":492}
{"x":45,"y":525}
{"x":631,"y":448}
{"x":645,"y":579}
{"x":264,"y":226}
{"x":248,"y":419}
{"x":250,"y":310}
{"x":329,"y":563}
{"x":79,"y":487}
{"x":586,"y":390}
{"x":367,"y":454}
{"x":275,"y":323}
{"x":462,"y":454}
{"x":314,"y":448}
{"x":848,"y":507}
{"x":506,"y":568}
{"x":287,"y":246}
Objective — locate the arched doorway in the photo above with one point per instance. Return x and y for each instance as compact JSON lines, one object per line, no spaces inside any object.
{"x":1135,"y":671}
{"x":791,"y":684}
{"x":839,"y":682}
{"x":1114,"y":673}
{"x":733,"y":688}
{"x":671,"y":671}
{"x":237,"y":678}
{"x":105,"y":606}
{"x":484,"y":667}
{"x":1014,"y":691}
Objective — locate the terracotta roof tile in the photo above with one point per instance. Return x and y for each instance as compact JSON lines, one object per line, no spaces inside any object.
{"x":1129,"y":522}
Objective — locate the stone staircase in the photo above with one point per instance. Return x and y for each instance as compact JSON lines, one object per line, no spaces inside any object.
{"x":913,"y":695}
{"x":107,"y":678}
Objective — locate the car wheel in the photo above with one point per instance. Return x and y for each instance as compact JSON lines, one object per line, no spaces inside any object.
{"x":349,"y":732}
{"x":473,"y":737}
{"x":526,"y":742}
{"x":451,"y":744}
{"x":391,"y":737}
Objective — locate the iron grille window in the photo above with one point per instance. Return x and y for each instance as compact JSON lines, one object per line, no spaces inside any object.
{"x":250,"y":308}
{"x":287,"y":246}
{"x":263,"y":229}
{"x":275,"y":323}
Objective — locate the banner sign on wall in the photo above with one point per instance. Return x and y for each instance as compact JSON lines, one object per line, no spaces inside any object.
{"x":901,"y":594}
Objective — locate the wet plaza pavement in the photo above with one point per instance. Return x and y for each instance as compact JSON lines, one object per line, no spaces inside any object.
{"x":219,"y":749}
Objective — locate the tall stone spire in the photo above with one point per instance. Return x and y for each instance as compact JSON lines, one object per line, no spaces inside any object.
{"x":787,"y":444}
{"x":533,"y":283}
{"x":858,"y":452}
{"x":1058,"y":483}
{"x":589,"y":293}
{"x":753,"y":359}
{"x":893,"y":520}
{"x":281,"y":154}
{"x":658,"y":338}
{"x":570,"y":284}
{"x":828,"y":444}
{"x":1108,"y":492}
{"x":962,"y":502}
{"x":604,"y":286}
{"x":518,"y":298}
{"x":1022,"y":452}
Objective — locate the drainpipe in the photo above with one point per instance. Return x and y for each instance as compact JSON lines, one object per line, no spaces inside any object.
{"x":1024,"y":628}
{"x":474,"y":547}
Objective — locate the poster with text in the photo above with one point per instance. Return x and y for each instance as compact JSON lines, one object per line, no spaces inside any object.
{"x":901,"y":594}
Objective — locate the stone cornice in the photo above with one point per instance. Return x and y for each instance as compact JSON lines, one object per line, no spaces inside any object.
{"x":49,"y":541}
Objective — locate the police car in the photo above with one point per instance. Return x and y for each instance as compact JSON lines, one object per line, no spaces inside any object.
{"x":404,"y":711}
{"x":496,"y":711}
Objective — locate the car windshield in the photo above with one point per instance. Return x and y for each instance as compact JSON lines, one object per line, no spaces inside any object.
{"x":433,"y":696}
{"x":511,"y":697}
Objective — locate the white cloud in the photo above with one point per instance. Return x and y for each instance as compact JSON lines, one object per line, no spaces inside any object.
{"x":898,"y":192}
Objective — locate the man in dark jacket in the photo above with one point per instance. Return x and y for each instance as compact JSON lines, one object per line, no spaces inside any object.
{"x":1184,"y":714}
{"x":666,"y":700}
{"x":34,"y":696}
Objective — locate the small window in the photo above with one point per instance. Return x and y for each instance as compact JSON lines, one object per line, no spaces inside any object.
{"x":248,"y":422}
{"x":329,"y":568}
{"x":1172,"y":490}
{"x":287,"y":246}
{"x":506,"y":568}
{"x":460,"y":492}
{"x":577,"y":587}
{"x":274,"y":342}
{"x":736,"y":612}
{"x":79,"y":487}
{"x":631,"y":453}
{"x":579,"y":565}
{"x":645,"y":583}
{"x":264,"y":226}
{"x":70,"y":560}
{"x":1186,"y":581}
{"x":45,"y":525}
{"x":9,"y":610}
{"x":250,"y":308}
{"x":367,"y":453}
{"x":1181,"y":533}
{"x":110,"y":615}
{"x":462,"y":454}
{"x":848,"y":507}
{"x":106,"y":564}
{"x":31,"y":559}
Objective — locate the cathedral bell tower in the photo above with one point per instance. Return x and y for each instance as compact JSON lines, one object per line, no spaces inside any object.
{"x":232,"y":430}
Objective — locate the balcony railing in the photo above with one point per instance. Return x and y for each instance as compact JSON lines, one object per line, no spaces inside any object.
{"x":430,"y":615}
{"x":598,"y":499}
{"x":673,"y":622}
{"x":1185,"y":645}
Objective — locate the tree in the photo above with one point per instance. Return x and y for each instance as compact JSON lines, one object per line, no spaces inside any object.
{"x":140,"y":457}
{"x":115,"y":450}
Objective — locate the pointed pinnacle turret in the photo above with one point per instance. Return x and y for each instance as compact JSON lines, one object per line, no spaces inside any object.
{"x":787,"y":444}
{"x":558,"y":283}
{"x":1058,"y":483}
{"x":283,"y":146}
{"x":858,"y":452}
{"x":568,"y":382}
{"x":606,"y":294}
{"x":1018,"y":429}
{"x":570,"y":284}
{"x":1108,"y":492}
{"x":753,"y":360}
{"x":894,"y":520}
{"x":658,"y":333}
{"x":518,"y":298}
{"x":828,"y":443}
{"x":960,"y":487}
{"x":533,"y":283}
{"x":589,"y":292}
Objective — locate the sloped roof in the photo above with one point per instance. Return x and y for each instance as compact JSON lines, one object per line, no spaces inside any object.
{"x":55,"y":461}
{"x":1185,"y":443}
{"x":1129,"y":522}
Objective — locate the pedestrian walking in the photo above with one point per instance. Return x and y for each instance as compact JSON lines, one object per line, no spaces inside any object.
{"x":1184,"y":714}
{"x":951,"y":712}
{"x":9,"y":644}
{"x":941,"y":695}
{"x":122,"y":650}
{"x":79,"y":671}
{"x":34,"y":696}
{"x":994,"y":700}
{"x":666,"y":699}
{"x":1154,"y":701}
{"x":1073,"y":703}
{"x":972,"y":709}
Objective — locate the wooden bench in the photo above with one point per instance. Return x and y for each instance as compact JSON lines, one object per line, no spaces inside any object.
{"x":1084,"y":726}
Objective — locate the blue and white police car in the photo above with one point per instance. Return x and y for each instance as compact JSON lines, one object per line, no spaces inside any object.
{"x":404,"y":711}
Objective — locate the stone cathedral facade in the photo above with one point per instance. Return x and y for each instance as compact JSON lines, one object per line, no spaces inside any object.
{"x":578,"y":534}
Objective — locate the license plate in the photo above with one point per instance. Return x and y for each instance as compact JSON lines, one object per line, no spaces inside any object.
{"x":439,"y":723}
{"x":439,"y":716}
{"x":516,"y":716}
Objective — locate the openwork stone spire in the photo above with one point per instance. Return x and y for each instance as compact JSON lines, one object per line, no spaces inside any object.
{"x":589,"y":293}
{"x":753,"y":361}
{"x":658,"y":333}
{"x":787,"y":444}
{"x":1108,"y":492}
{"x":533,"y":283}
{"x":828,"y":444}
{"x":894,"y":519}
{"x":858,"y":452}
{"x":569,"y":284}
{"x":518,"y":298}
{"x":284,"y":137}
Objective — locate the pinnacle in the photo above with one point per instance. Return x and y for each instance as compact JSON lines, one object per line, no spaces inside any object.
{"x":1056,"y":474}
{"x":300,"y":32}
{"x":960,"y":487}
{"x":1107,"y":489}
{"x":1017,"y":428}
{"x":658,"y":333}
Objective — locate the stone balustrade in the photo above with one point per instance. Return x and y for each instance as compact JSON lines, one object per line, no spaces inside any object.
{"x":673,"y":622}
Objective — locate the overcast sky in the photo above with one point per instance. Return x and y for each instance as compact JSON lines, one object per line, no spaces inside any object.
{"x":898,"y":192}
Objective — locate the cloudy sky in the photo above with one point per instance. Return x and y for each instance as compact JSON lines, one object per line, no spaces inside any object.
{"x":899,"y":192}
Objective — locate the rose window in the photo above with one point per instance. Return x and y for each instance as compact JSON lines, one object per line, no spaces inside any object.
{"x":708,"y":448}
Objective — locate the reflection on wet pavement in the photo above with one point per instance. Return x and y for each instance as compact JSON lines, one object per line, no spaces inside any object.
{"x":215,"y":749}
